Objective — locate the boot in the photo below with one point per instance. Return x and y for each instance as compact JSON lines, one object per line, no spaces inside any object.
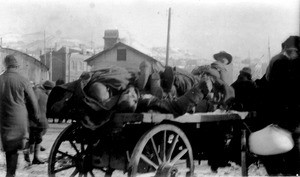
{"x":11,"y":163}
{"x":190,"y":99}
{"x":36,"y":159}
{"x":26,"y":155}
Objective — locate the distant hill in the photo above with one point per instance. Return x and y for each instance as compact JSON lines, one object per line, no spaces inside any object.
{"x":34,"y":43}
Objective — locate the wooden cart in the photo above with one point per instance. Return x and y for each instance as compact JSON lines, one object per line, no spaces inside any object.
{"x":146,"y":144}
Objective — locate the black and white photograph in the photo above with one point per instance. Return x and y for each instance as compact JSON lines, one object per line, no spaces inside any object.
{"x":149,"y":88}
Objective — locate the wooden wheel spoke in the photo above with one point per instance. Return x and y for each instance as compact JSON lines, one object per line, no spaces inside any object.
{"x":74,"y":146}
{"x":148,"y":161}
{"x":178,"y":156}
{"x":66,"y":154}
{"x":92,"y":174}
{"x":74,"y":172}
{"x":82,"y":147}
{"x":155,"y":150}
{"x":142,"y":163}
{"x":170,"y":152}
{"x":64,"y":168}
{"x":163,"y":146}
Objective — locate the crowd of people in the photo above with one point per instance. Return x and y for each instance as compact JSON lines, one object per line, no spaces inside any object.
{"x":274,"y":98}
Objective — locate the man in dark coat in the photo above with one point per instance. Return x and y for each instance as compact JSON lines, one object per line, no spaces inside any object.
{"x":282,"y":105}
{"x":37,"y":130}
{"x":245,"y":91}
{"x":16,"y":103}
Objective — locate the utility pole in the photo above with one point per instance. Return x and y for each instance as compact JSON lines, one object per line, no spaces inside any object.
{"x":45,"y":57}
{"x":92,"y":42}
{"x":168,"y":37}
{"x":50,"y":65}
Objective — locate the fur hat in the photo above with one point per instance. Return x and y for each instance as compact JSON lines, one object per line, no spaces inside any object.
{"x":246,"y":70}
{"x":292,"y":41}
{"x":223,"y":54}
{"x":48,"y":85}
{"x":10,"y":61}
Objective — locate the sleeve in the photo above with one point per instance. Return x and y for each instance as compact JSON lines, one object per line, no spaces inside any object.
{"x":224,"y":90}
{"x":31,"y":103}
{"x":270,"y":68}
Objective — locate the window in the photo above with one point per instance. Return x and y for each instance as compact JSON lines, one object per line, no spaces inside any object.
{"x":121,"y":55}
{"x":74,"y":65}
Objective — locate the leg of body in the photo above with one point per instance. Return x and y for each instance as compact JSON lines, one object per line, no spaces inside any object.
{"x":11,"y":163}
{"x":26,"y":152}
{"x":37,"y":147}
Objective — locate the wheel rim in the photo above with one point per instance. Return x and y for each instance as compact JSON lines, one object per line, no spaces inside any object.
{"x":71,"y":155}
{"x":162,"y":151}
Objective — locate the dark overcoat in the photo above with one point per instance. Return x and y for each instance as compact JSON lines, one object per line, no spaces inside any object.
{"x":42,"y":98}
{"x":17,"y":99}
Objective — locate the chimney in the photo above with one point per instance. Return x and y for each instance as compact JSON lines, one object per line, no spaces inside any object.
{"x":111,"y":37}
{"x":83,"y":49}
{"x":56,"y":46}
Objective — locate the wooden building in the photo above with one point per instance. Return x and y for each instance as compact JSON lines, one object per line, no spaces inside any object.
{"x":67,"y":63}
{"x":120,"y":55}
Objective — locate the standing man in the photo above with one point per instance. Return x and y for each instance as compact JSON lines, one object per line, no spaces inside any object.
{"x":222,"y":60}
{"x":245,"y":91}
{"x":16,"y":103}
{"x":282,"y":105}
{"x":37,"y":130}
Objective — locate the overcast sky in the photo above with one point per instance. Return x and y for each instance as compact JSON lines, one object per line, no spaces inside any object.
{"x":203,"y":27}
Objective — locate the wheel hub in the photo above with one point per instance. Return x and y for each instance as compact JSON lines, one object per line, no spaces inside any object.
{"x":83,"y":163}
{"x":166,"y":170}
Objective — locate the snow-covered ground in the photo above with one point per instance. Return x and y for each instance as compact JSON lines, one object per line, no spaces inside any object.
{"x":25,"y":170}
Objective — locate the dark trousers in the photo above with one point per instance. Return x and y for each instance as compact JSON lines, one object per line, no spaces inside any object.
{"x":11,"y":163}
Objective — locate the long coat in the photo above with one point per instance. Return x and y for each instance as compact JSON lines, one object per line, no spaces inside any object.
{"x":245,"y":93}
{"x":42,"y":98}
{"x":283,"y":76}
{"x":17,"y":99}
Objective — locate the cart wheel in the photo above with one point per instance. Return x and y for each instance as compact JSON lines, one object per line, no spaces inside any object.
{"x":163,"y":151}
{"x":71,"y":154}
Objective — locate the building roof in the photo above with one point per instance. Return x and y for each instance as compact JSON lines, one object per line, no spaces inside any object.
{"x":31,"y":58}
{"x":117,"y":45}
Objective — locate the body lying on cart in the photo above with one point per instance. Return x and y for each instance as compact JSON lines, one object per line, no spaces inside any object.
{"x":149,"y":144}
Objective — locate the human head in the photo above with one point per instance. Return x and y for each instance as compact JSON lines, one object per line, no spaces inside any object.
{"x":48,"y":86}
{"x":59,"y":82}
{"x":11,"y":62}
{"x":291,"y":46}
{"x":128,"y":100}
{"x":246,"y":71}
{"x":223,"y":57}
